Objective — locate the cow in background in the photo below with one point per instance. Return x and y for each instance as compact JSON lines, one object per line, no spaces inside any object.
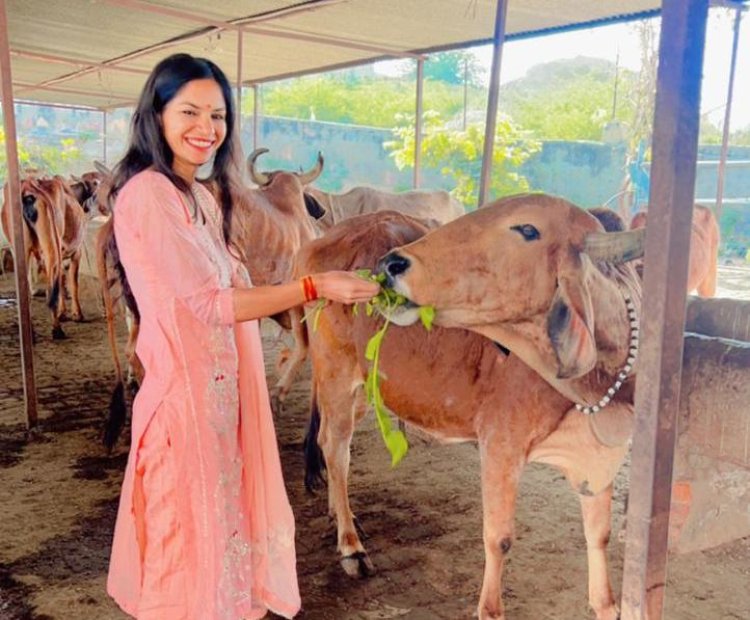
{"x":84,"y":188}
{"x":436,"y":207}
{"x":53,"y":235}
{"x":704,"y":250}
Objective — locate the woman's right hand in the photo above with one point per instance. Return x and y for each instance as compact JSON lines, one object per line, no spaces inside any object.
{"x":344,"y":286}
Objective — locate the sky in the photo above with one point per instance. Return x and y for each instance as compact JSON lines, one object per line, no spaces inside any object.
{"x":607,"y":41}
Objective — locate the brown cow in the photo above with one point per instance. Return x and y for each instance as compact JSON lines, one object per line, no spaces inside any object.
{"x":54,"y":232}
{"x":269,"y":226}
{"x":704,"y":249}
{"x":538,"y":275}
{"x":84,"y":188}
{"x":437,"y":207}
{"x":457,"y":386}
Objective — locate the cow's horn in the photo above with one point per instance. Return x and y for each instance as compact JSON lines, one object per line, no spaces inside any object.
{"x":616,"y":247}
{"x":308,"y":177}
{"x":101,"y":168}
{"x":259,"y":178}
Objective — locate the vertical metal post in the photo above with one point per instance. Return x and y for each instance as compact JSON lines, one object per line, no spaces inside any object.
{"x":466,"y":92}
{"x":675,"y":148}
{"x":256,"y":114}
{"x":727,"y":119}
{"x":239,"y":84}
{"x":13,"y":195}
{"x":492,"y":99}
{"x":104,"y":136}
{"x":418,"y":123}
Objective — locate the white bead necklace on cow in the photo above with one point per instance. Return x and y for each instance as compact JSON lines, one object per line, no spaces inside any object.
{"x":624,"y":371}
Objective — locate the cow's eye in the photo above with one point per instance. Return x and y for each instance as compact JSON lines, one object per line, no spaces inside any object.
{"x":527,"y":231}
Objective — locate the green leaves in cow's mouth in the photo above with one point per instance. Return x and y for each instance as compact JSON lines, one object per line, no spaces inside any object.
{"x":386,"y":302}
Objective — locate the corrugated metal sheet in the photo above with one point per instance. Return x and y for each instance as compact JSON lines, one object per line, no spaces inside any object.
{"x":58,"y":46}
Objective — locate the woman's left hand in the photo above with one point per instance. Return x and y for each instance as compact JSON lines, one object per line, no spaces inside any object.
{"x":344,"y":286}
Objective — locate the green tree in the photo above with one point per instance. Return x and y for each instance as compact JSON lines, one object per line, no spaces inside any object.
{"x":452,"y":67}
{"x":458,"y":153}
{"x":566,"y":99}
{"x":45,"y":159}
{"x":740,"y":137}
{"x":370,"y":101}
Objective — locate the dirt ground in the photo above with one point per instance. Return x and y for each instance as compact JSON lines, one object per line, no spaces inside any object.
{"x":59,"y":493}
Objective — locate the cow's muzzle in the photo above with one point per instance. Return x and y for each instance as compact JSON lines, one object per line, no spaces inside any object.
{"x":393,"y":265}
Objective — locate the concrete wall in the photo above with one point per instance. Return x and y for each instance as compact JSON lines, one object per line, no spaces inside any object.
{"x":587,"y":173}
{"x":711,"y":490}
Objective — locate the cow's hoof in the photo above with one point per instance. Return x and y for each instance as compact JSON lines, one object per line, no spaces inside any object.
{"x":38,"y":293}
{"x":63,"y":317}
{"x":358,"y":565}
{"x":487,"y":614}
{"x":78,"y":318}
{"x":58,"y":333}
{"x":133,"y":386}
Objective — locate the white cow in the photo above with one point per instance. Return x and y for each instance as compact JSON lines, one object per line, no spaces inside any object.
{"x":435,"y":207}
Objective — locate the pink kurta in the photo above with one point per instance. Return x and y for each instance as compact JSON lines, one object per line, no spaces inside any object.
{"x":205,"y":386}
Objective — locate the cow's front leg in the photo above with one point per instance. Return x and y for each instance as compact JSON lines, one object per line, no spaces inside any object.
{"x":597,"y":517}
{"x":340,"y":409}
{"x":73,"y":271}
{"x":297,"y":356}
{"x":501,"y":470}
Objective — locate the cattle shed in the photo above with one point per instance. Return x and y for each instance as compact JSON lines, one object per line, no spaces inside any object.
{"x":97,"y":54}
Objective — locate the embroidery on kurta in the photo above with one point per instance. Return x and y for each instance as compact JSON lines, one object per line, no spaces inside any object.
{"x":222,"y":392}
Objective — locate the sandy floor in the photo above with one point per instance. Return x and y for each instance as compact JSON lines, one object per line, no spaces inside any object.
{"x":58,"y":497}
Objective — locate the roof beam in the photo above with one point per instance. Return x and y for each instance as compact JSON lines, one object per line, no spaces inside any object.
{"x":78,"y":62}
{"x":305,"y":7}
{"x":63,"y":106}
{"x":26,"y":87}
{"x":213,"y":26}
{"x":298,"y":35}
{"x":241,"y":25}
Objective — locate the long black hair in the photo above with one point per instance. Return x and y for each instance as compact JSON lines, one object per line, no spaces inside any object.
{"x":148,"y":147}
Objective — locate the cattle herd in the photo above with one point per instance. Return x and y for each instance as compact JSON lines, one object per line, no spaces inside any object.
{"x":537,"y":304}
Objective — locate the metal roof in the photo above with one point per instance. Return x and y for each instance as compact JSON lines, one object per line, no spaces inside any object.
{"x":98,"y":52}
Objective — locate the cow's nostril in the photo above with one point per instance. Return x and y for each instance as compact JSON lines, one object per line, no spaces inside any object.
{"x":395,"y":264}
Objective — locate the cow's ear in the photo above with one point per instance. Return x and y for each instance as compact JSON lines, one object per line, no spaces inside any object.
{"x":570,"y":326}
{"x":314,"y":208}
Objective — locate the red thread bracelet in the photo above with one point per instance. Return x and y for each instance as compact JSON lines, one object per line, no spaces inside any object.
{"x":308,"y":288}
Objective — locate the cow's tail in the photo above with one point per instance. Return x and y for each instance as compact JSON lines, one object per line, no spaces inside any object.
{"x":54,"y":260}
{"x":117,"y":407}
{"x":116,"y":418}
{"x":314,"y":460}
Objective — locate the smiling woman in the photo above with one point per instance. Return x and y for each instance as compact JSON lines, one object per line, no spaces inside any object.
{"x":194,"y":125}
{"x":204,"y":528}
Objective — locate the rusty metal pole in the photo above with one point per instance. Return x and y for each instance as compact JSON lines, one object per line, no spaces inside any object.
{"x":239,"y":84}
{"x":418,"y":124}
{"x":256,"y":115}
{"x":727,"y":119}
{"x":492,"y":100}
{"x":104,"y":136}
{"x":675,"y":148}
{"x":19,"y":255}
